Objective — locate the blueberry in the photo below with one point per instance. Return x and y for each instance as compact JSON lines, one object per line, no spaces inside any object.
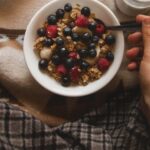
{"x":95,"y":39}
{"x":47,"y":42}
{"x":92,"y":53}
{"x":86,"y":37}
{"x":65,"y":80}
{"x":84,"y":65}
{"x":72,"y":24}
{"x":69,"y":63}
{"x":92,"y":46}
{"x":59,"y":42}
{"x":60,"y":13}
{"x":43,"y":63}
{"x":41,"y":32}
{"x":63,"y":52}
{"x":86,"y":11}
{"x":68,"y":7}
{"x":51,"y":19}
{"x":92,"y":26}
{"x":110,"y":39}
{"x":67,"y":31}
{"x":75,"y":37}
{"x":56,"y":59}
{"x":110,"y":56}
{"x":83,"y":53}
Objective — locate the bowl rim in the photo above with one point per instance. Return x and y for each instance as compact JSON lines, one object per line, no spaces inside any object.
{"x":62,"y":93}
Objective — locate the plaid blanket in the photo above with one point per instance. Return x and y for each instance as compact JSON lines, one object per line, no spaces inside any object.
{"x":118,"y":125}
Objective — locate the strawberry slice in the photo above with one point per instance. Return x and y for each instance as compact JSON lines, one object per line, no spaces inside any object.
{"x":82,"y":21}
{"x":61,"y":69}
{"x":52,"y":31}
{"x":103,"y":64}
{"x":74,"y":73}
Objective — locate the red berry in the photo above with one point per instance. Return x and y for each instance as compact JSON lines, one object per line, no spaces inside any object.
{"x":74,"y":73}
{"x":82,"y":21}
{"x":61,"y":69}
{"x":103,"y":64}
{"x":100,"y":29}
{"x":52,"y":31}
{"x":73,"y":55}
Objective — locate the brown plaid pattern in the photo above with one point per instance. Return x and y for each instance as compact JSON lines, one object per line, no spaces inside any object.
{"x":119,"y":125}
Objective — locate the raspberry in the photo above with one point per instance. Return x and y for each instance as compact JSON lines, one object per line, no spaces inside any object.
{"x":103,"y":64}
{"x":73,"y":55}
{"x":82,"y":21}
{"x":74,"y":73}
{"x":100,"y":29}
{"x":52,"y":31}
{"x":61,"y":69}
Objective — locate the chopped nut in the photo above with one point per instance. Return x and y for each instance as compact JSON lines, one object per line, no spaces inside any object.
{"x":84,"y":79}
{"x":38,"y":43}
{"x":94,"y":73}
{"x":105,"y":49}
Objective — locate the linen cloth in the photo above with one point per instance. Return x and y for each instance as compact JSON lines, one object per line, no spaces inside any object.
{"x":119,"y":125}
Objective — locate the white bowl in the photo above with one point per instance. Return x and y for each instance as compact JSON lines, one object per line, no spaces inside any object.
{"x":102,"y":12}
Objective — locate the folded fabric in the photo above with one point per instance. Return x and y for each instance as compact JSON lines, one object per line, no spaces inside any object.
{"x":120,"y":125}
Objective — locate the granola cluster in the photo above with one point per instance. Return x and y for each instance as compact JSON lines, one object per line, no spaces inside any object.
{"x":74,"y":46}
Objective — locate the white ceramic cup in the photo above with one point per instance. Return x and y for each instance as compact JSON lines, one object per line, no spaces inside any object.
{"x":102,"y":12}
{"x":133,"y":7}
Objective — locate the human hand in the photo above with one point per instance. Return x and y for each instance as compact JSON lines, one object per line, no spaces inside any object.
{"x":144,"y":65}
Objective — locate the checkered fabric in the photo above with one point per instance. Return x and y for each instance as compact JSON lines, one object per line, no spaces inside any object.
{"x":118,"y":125}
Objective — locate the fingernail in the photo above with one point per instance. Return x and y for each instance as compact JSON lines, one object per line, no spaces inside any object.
{"x":147,"y":21}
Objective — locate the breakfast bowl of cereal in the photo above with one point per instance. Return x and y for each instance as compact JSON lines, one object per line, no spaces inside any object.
{"x":69,"y":50}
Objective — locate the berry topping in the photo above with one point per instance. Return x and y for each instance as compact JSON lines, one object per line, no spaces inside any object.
{"x":75,"y":37}
{"x":100,"y":29}
{"x":60,"y":13}
{"x":52,"y":31}
{"x":68,"y":7}
{"x":60,"y":69}
{"x":73,"y":55}
{"x":72,"y":24}
{"x":84,"y":65}
{"x":51,"y":19}
{"x":110,"y":56}
{"x":83,"y":53}
{"x":86,"y":37}
{"x":63,"y":52}
{"x":69,"y":63}
{"x":56,"y":59}
{"x":82,"y":21}
{"x":92,"y":53}
{"x":92,"y":46}
{"x":110,"y":39}
{"x":67,"y":31}
{"x":41,"y":32}
{"x":59,"y":42}
{"x":86,"y":11}
{"x":103,"y":64}
{"x":92,"y":26}
{"x":47,"y":42}
{"x":65,"y":80}
{"x":95,"y":39}
{"x":43,"y":63}
{"x":74,"y":73}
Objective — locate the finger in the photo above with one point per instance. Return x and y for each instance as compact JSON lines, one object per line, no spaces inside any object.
{"x":146,"y":37}
{"x":132,"y":66}
{"x":141,"y":18}
{"x":133,"y":52}
{"x":135,"y":37}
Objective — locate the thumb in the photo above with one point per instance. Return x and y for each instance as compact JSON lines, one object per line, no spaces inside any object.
{"x":146,"y":36}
